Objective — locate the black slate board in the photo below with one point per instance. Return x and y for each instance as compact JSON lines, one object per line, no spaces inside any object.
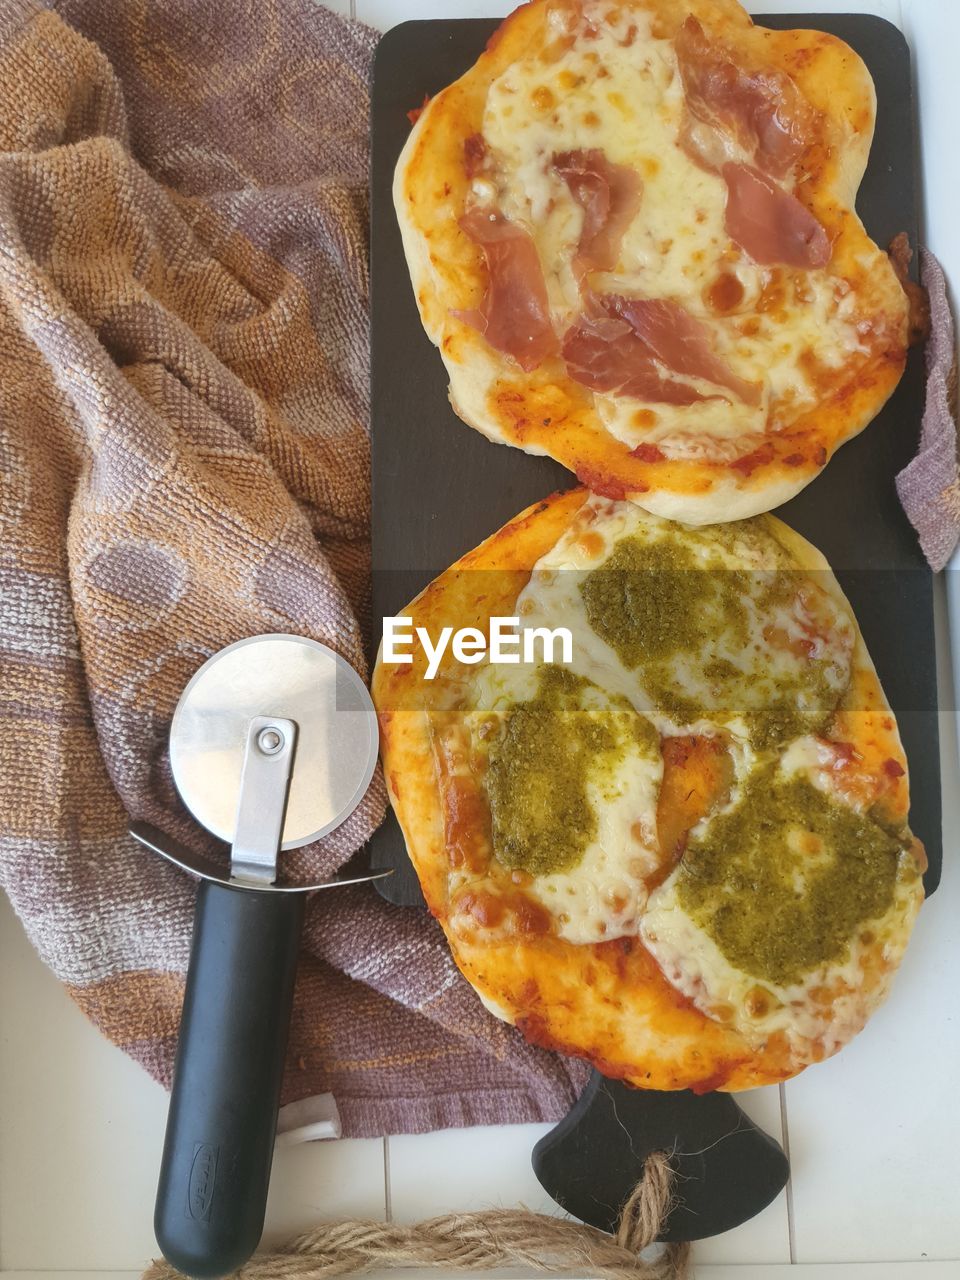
{"x":439,"y":488}
{"x":726,"y":1168}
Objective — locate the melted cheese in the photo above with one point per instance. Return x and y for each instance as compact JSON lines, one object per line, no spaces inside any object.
{"x":820,"y":1012}
{"x":606,"y":895}
{"x":621,"y":92}
{"x":768,"y":660}
{"x":602,"y":896}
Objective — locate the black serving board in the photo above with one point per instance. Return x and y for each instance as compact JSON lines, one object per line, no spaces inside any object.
{"x":726,"y":1169}
{"x":440,"y":488}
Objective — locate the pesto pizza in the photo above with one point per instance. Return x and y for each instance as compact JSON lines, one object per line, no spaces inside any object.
{"x":631,"y":232}
{"x":684,"y":852}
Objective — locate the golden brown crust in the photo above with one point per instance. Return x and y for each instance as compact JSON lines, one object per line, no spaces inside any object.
{"x":546,"y":411}
{"x":608,"y":1002}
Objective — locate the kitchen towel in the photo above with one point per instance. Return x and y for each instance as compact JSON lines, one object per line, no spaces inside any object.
{"x":929,"y":486}
{"x":184,"y":462}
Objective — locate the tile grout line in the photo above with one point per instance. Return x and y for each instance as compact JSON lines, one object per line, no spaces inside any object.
{"x":785,"y":1135}
{"x":387,"y":1201}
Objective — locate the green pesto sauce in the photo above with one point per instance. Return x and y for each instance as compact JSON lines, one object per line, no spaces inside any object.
{"x":783,"y":719}
{"x":652,"y":602}
{"x":548,"y":750}
{"x":777,"y":912}
{"x":647,"y":600}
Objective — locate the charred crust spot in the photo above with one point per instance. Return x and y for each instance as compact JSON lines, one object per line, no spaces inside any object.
{"x":535,"y":1030}
{"x":474,"y":154}
{"x":749,"y":463}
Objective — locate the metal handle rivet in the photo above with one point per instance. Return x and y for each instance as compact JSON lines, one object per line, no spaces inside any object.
{"x":270,"y":741}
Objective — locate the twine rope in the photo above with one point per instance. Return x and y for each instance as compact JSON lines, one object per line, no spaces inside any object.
{"x":484,"y":1240}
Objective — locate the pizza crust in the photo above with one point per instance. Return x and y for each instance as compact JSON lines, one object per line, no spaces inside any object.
{"x":608,"y":1002}
{"x":546,"y":412}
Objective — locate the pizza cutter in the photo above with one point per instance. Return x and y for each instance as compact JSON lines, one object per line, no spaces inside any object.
{"x":272,"y":746}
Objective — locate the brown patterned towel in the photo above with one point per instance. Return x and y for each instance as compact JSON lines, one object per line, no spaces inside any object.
{"x":183,"y":425}
{"x":929,"y":486}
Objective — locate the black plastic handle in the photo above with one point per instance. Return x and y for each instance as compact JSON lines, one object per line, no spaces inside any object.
{"x":226,"y":1087}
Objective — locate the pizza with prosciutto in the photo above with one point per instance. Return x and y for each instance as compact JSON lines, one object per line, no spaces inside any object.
{"x":683,"y":853}
{"x":631,"y":233}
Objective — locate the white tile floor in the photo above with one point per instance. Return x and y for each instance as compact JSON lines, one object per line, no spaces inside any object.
{"x":875,"y":1164}
{"x":874,"y":1134}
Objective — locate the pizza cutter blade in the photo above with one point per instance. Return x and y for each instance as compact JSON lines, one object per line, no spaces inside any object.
{"x":272,"y":745}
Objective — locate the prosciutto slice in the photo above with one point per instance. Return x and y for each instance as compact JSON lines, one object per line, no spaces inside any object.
{"x":609,"y":195}
{"x":631,"y":346}
{"x":769,"y":223}
{"x":606,"y":355}
{"x":514,"y":316}
{"x":680,"y":341}
{"x":764,"y":110}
